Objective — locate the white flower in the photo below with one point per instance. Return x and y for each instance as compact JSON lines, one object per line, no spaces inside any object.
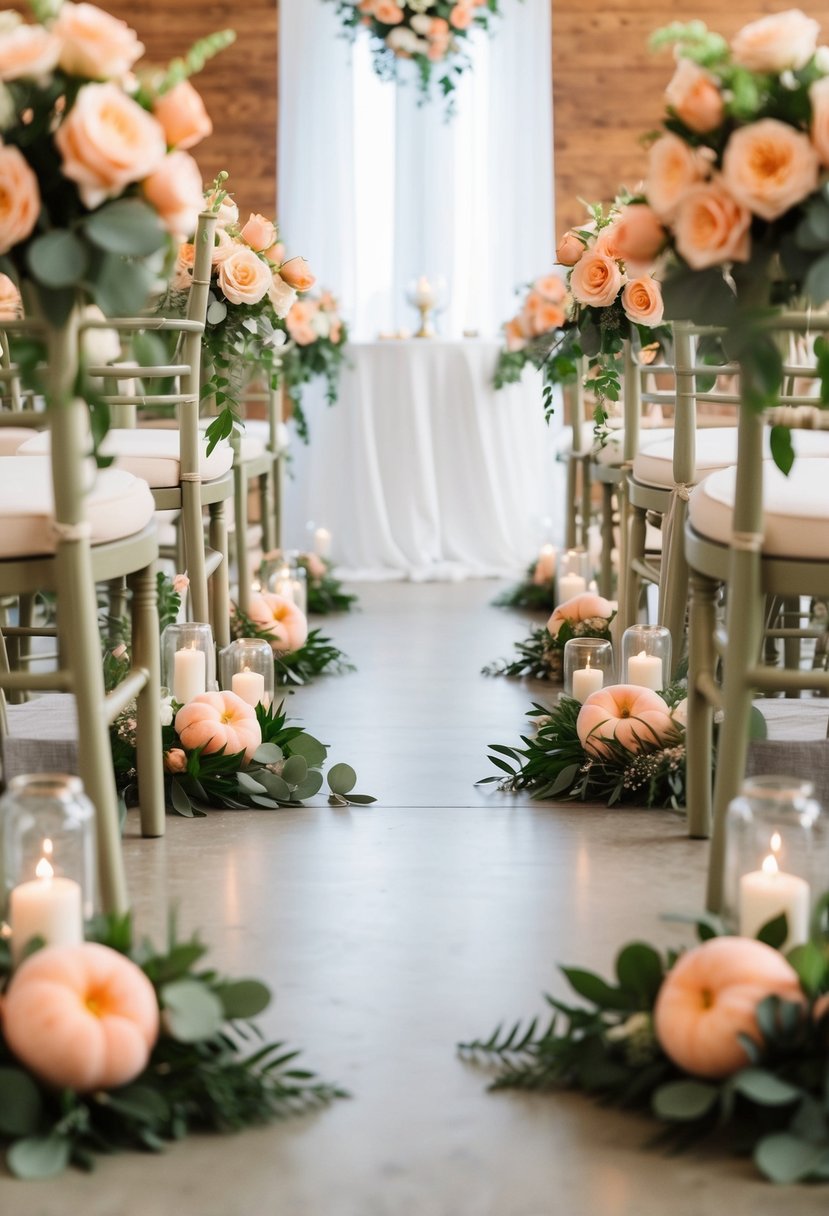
{"x":166,"y":711}
{"x":406,"y":40}
{"x":321,"y":323}
{"x":822,"y":59}
{"x":8,"y":109}
{"x":679,"y":713}
{"x":420,"y":6}
{"x":421,"y":24}
{"x":281,"y":296}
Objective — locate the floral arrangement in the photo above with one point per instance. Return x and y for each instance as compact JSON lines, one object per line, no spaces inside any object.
{"x":299,"y":654}
{"x":537,"y":590}
{"x":110,"y":1046}
{"x":95,"y":170}
{"x":727,"y":1041}
{"x":532,"y":334}
{"x":431,"y":33}
{"x":318,"y":335}
{"x":540,"y":656}
{"x":325,"y":591}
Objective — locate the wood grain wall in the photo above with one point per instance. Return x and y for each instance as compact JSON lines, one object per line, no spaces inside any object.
{"x":608,"y":87}
{"x":239,"y":86}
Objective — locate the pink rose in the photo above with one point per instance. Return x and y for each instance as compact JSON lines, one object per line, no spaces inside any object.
{"x":175,"y":191}
{"x":182,"y":115}
{"x":281,"y":296}
{"x":819,"y":97}
{"x":27,"y":52}
{"x":11,"y":305}
{"x":551,"y":287}
{"x":769,"y":166}
{"x":570,"y":249}
{"x":673,"y":168}
{"x":596,"y":280}
{"x":642,"y":301}
{"x":19,"y":198}
{"x":108,"y":141}
{"x":694,"y":97}
{"x":711,"y":227}
{"x":777,"y":42}
{"x":95,"y":44}
{"x":243,"y":277}
{"x":638,"y":234}
{"x":296,"y":273}
{"x":175,"y":760}
{"x":260,"y":233}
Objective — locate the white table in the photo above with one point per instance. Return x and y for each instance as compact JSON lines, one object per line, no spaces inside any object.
{"x":421,"y":469}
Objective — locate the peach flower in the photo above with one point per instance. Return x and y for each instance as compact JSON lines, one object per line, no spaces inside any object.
{"x":175,"y":760}
{"x":11,"y":305}
{"x":95,"y":44}
{"x":276,"y":253}
{"x":281,"y":296}
{"x":259,"y":232}
{"x":315,"y":566}
{"x":300,"y":323}
{"x":570,"y":249}
{"x":335,"y":331}
{"x":175,"y":191}
{"x":182,"y":115}
{"x":551,"y":287}
{"x":777,"y":42}
{"x":711,"y":227}
{"x":281,"y":619}
{"x":541,"y":314}
{"x":515,"y":334}
{"x":582,"y":607}
{"x":223,"y":246}
{"x":819,"y":97}
{"x":19,"y":198}
{"x":642,"y":301}
{"x":596,"y":280}
{"x":694,"y":97}
{"x":672,"y":169}
{"x":27,"y":52}
{"x":107,"y":141}
{"x":461,"y":16}
{"x":440,"y":36}
{"x":388,"y":12}
{"x":227,"y":214}
{"x":638,"y":234}
{"x":243,"y":277}
{"x":769,"y":166}
{"x":296,"y":273}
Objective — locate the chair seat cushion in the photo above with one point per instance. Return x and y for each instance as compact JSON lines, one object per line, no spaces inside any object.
{"x":609,"y":450}
{"x":151,"y":453}
{"x":251,"y":446}
{"x":794,"y":508}
{"x":260,"y":428}
{"x":117,"y":506}
{"x":11,"y":437}
{"x":716,"y":449}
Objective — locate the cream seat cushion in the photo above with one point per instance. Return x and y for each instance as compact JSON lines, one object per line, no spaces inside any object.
{"x":716,"y":448}
{"x":794,"y":508}
{"x":150,"y":453}
{"x":118,"y":505}
{"x":260,"y":428}
{"x":11,"y":437}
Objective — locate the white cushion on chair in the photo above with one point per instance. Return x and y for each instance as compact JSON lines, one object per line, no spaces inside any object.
{"x":251,"y":446}
{"x":117,"y":506}
{"x":11,"y":437}
{"x":794,"y":508}
{"x":150,"y":453}
{"x":260,"y":428}
{"x":609,"y":452}
{"x":716,"y":449}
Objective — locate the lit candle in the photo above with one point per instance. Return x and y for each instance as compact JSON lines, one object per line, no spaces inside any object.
{"x":284,"y":584}
{"x":586,"y":680}
{"x":322,"y":542}
{"x":767,"y":893}
{"x":47,"y":907}
{"x":189,"y":673}
{"x":249,"y":685}
{"x":545,"y":567}
{"x":570,"y":585}
{"x":424,"y":296}
{"x":646,"y":670}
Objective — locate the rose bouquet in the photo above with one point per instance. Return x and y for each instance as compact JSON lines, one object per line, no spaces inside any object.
{"x":540,"y":655}
{"x":533,"y":334}
{"x":318,"y":335}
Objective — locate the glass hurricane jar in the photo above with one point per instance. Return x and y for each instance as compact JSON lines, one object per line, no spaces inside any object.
{"x":290,"y":580}
{"x":588,"y":666}
{"x":188,"y":660}
{"x":646,"y":656}
{"x":573,"y":574}
{"x":246,"y":668}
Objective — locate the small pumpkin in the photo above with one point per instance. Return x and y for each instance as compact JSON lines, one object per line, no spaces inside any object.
{"x":633,"y":716}
{"x":583,"y":607}
{"x":81,"y":1017}
{"x":710,"y":998}
{"x":216,"y":720}
{"x":285,"y":624}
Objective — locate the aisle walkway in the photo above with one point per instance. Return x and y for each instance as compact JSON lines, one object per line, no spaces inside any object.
{"x":389,"y":933}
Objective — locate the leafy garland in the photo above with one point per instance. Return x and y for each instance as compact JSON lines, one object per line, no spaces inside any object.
{"x":325,"y":591}
{"x":319,"y":656}
{"x":540,"y":656}
{"x":776,"y":1108}
{"x":528,"y":594}
{"x":312,"y":354}
{"x":209,"y":1070}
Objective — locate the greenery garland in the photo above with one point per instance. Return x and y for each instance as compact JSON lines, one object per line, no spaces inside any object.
{"x":304,"y":362}
{"x":319,"y":656}
{"x":528,"y":594}
{"x":540,"y":656}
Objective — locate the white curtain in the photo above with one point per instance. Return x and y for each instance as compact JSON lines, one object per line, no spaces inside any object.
{"x":376,"y":190}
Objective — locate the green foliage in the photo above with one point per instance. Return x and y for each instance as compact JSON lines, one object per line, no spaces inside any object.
{"x":325,"y":593}
{"x":317,"y":657}
{"x":302,"y":364}
{"x":532,"y":596}
{"x":539,"y":656}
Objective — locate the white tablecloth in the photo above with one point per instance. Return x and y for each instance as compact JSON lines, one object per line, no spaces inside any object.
{"x":421,"y":469}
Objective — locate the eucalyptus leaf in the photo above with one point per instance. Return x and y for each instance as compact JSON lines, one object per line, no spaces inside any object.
{"x":120,"y":287}
{"x":243,"y":998}
{"x":217,"y":312}
{"x":786,"y":1159}
{"x":268,"y":753}
{"x":684,"y":1101}
{"x":252,"y":785}
{"x":341,"y":779}
{"x":295,"y":770}
{"x":310,"y":786}
{"x":180,"y":800}
{"x":816,"y":286}
{"x":39,"y":1156}
{"x":775,"y":931}
{"x":58,"y":258}
{"x":127,"y":226}
{"x":21,"y":1107}
{"x":276,"y":786}
{"x":765,"y":1088}
{"x":310,"y":748}
{"x":192,"y":1012}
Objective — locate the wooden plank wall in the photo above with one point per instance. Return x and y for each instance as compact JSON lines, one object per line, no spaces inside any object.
{"x":608,"y":87}
{"x":239,"y":86}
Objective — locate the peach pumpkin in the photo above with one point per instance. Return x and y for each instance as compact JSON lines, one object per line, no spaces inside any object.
{"x":285,"y":623}
{"x":710,"y":998}
{"x":631,"y":715}
{"x":580,"y":608}
{"x":216,"y":720}
{"x":81,"y":1017}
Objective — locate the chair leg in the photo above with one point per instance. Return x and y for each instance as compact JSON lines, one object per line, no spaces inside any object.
{"x":146,"y":654}
{"x":192,"y":525}
{"x":637,"y":532}
{"x":791,"y":646}
{"x":606,"y":568}
{"x":220,"y":579}
{"x":278,"y":500}
{"x":266,"y":506}
{"x":240,"y":537}
{"x":586,"y":502}
{"x":571,"y":502}
{"x":699,"y":737}
{"x":117,"y":605}
{"x":673,"y":583}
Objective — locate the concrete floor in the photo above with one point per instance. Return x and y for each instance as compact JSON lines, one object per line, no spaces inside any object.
{"x":389,"y":933}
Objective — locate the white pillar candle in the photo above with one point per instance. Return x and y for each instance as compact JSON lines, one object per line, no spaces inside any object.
{"x":249,"y":685}
{"x":768,"y":893}
{"x":284,"y":585}
{"x":424,"y":295}
{"x":545,"y":567}
{"x":47,"y":907}
{"x":322,"y":542}
{"x":570,"y":585}
{"x":646,"y":670}
{"x":586,"y":680}
{"x":189,"y":673}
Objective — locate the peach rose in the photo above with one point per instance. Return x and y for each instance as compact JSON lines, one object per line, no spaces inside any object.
{"x":19,"y":198}
{"x":95,"y":44}
{"x":315,"y":566}
{"x":819,"y":97}
{"x":175,"y":760}
{"x":570,"y":249}
{"x":642,"y":301}
{"x":388,"y":12}
{"x":769,"y":166}
{"x":243,"y":277}
{"x":227,"y":213}
{"x":276,"y":253}
{"x":461,"y":16}
{"x":281,"y":296}
{"x":580,"y":608}
{"x":175,"y":191}
{"x":27,"y":52}
{"x":107,"y":141}
{"x":11,"y":305}
{"x":638,"y":234}
{"x":296,"y":273}
{"x":541,"y":314}
{"x":182,"y":115}
{"x":673,"y":167}
{"x":223,"y":246}
{"x":440,"y":36}
{"x":551,"y":287}
{"x":777,"y":42}
{"x":596,"y":280}
{"x":711,"y":227}
{"x":259,"y":232}
{"x":300,"y":323}
{"x":694,"y":97}
{"x":515,"y":334}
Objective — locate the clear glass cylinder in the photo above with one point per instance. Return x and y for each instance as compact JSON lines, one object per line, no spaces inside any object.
{"x":588,"y":666}
{"x":573,"y":573}
{"x":646,"y":656}
{"x":776,"y":856}
{"x":290,"y":580}
{"x":246,"y":668}
{"x":188,"y":660}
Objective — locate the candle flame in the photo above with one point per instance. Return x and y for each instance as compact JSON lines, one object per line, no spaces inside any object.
{"x":43,"y":870}
{"x":770,"y":865}
{"x":776,"y":842}
{"x":588,"y":662}
{"x":643,"y":654}
{"x":245,"y":668}
{"x":48,"y":847}
{"x":548,"y":549}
